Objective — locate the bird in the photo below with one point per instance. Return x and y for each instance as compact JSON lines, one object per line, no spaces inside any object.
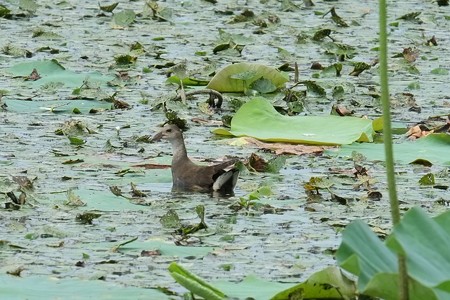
{"x":189,"y":176}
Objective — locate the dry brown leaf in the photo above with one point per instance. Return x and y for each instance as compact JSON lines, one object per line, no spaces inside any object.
{"x":416,"y":132}
{"x":206,"y":121}
{"x":257,"y":163}
{"x":34,"y":76}
{"x":283,"y":148}
{"x":342,"y":110}
{"x":410,"y":54}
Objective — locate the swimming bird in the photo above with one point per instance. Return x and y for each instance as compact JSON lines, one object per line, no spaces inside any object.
{"x":188,"y":176}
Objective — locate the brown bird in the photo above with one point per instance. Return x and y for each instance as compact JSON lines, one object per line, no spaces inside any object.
{"x":188,"y":176}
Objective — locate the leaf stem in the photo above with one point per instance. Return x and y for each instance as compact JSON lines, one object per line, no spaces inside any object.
{"x":388,"y":149}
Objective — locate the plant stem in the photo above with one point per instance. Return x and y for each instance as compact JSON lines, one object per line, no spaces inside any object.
{"x":387,"y":134}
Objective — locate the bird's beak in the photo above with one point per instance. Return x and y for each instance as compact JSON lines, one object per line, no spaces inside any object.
{"x":157,"y":137}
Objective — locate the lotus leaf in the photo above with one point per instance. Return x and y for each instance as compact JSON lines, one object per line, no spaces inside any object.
{"x":423,"y":240}
{"x":257,"y":118}
{"x":434,"y":148}
{"x":239,"y":77}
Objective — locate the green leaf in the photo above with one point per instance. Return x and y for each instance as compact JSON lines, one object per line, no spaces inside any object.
{"x":44,"y":67}
{"x":338,"y":92}
{"x":170,"y":219}
{"x":260,"y":192}
{"x":263,"y":86}
{"x":195,"y":284}
{"x":314,"y":88}
{"x":50,"y":287}
{"x":244,"y":76}
{"x":423,"y":240}
{"x":108,"y":8}
{"x":363,"y":254}
{"x":426,"y":243}
{"x":4,"y":11}
{"x":28,"y":5}
{"x":187,"y":81}
{"x":125,"y":59}
{"x":51,"y":71}
{"x":439,"y":71}
{"x":321,"y":34}
{"x":116,"y":247}
{"x":124,"y":18}
{"x":239,"y":77}
{"x":57,"y":106}
{"x":427,"y":179}
{"x":414,"y":86}
{"x":76,"y":140}
{"x":343,"y":50}
{"x":276,"y":164}
{"x":410,"y":16}
{"x":329,"y":283}
{"x":434,"y":148}
{"x":257,"y":118}
{"x":251,"y":287}
{"x":165,"y":248}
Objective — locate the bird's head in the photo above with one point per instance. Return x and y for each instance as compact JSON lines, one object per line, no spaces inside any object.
{"x":168,"y":132}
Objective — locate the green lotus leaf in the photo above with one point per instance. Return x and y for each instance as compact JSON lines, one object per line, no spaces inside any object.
{"x":239,"y":77}
{"x":423,"y":240}
{"x":433,"y":148}
{"x":257,"y":118}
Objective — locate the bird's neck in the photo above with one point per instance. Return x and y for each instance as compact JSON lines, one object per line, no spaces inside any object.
{"x":179,"y":150}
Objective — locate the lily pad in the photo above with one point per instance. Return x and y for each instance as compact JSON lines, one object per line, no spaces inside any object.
{"x":434,"y":148}
{"x":61,"y":106}
{"x":167,"y":248}
{"x":257,"y":118}
{"x":41,"y":287}
{"x":52,"y":71}
{"x":239,"y":77}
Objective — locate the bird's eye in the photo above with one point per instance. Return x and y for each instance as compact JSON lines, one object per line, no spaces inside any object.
{"x":169,"y":130}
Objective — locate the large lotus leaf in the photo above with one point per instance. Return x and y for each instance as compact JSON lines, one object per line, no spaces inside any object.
{"x":330,"y":283}
{"x":51,"y":71}
{"x":43,"y":287}
{"x":257,"y":118}
{"x":434,"y":148}
{"x":363,"y":254}
{"x":385,"y":286}
{"x":239,"y":77}
{"x":423,"y":240}
{"x":426,"y":242}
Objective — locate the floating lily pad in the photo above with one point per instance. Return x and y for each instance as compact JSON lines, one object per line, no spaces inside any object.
{"x":59,"y":106}
{"x":42,"y":287}
{"x":434,"y":148}
{"x":257,"y":118}
{"x":52,"y":71}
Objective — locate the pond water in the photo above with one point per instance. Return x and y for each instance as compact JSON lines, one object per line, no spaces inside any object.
{"x":284,"y":244}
